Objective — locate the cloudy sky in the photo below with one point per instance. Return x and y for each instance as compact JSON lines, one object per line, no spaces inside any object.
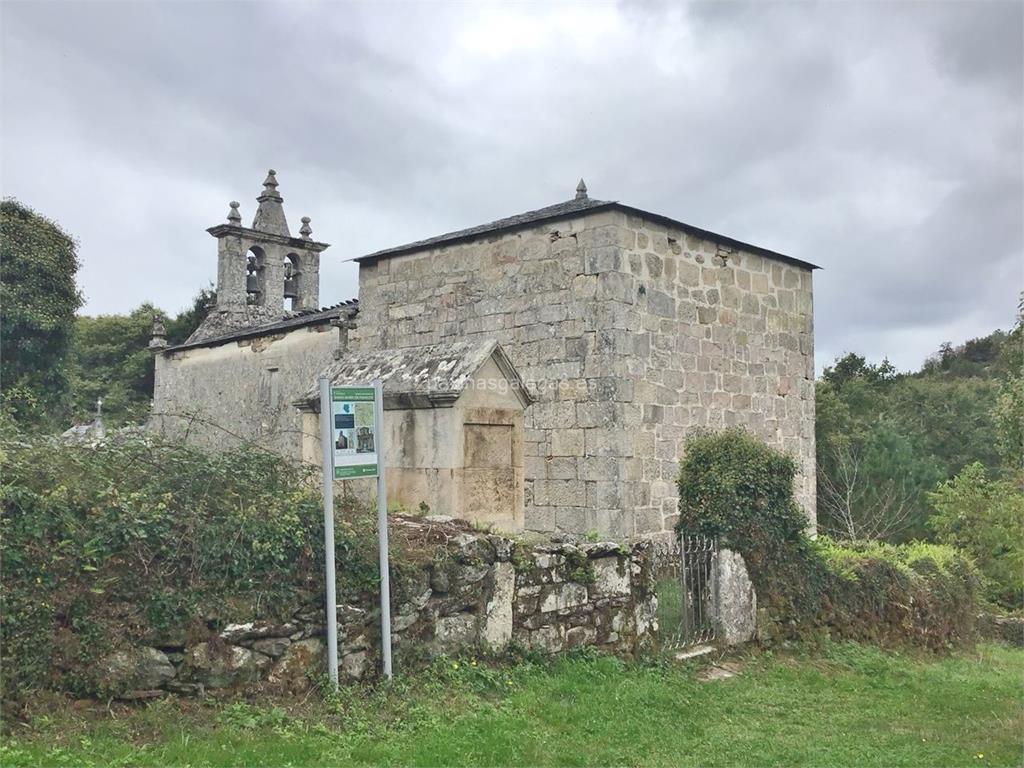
{"x":882,"y":141}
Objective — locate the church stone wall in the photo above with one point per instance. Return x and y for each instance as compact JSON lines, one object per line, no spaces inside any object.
{"x":243,"y":390}
{"x":721,"y":338}
{"x":629,"y":336}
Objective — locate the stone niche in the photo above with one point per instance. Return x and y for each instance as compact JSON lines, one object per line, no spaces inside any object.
{"x":453,"y":429}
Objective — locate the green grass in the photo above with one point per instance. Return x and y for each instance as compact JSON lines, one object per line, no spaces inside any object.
{"x":847,"y":705}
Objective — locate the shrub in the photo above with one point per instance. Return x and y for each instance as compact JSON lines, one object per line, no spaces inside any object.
{"x":736,"y":489}
{"x":140,"y":539}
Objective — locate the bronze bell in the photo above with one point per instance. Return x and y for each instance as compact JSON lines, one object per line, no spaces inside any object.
{"x":291,"y":282}
{"x":252,"y":283}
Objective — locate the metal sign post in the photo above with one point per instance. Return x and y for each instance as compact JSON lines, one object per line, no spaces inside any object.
{"x":382,"y":533}
{"x":351,"y":436}
{"x":327,"y":445}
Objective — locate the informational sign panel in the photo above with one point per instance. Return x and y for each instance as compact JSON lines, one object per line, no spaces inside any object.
{"x":355,"y":432}
{"x":351,"y":440}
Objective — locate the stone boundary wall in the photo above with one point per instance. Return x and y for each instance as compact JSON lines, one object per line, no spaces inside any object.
{"x":1005,"y":629}
{"x":489,"y":594}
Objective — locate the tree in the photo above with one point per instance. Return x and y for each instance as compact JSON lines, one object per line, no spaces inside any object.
{"x":872,"y":487}
{"x":983,"y":357}
{"x":184,"y":325}
{"x":949,"y":418}
{"x":110,"y":358}
{"x":853,"y":367}
{"x":884,"y":439}
{"x":1008,"y":412}
{"x":872,"y":472}
{"x":985,"y":518}
{"x":38,"y":301}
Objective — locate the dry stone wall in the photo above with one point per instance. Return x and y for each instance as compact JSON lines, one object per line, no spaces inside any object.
{"x":489,"y":593}
{"x":630,"y":335}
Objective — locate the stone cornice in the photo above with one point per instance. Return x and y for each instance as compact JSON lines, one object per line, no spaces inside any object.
{"x":395,"y":401}
{"x":227,"y":230}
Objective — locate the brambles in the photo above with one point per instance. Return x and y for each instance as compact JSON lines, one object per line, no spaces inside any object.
{"x":144,"y":539}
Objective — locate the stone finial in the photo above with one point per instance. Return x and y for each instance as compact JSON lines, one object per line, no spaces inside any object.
{"x":270,"y":214}
{"x":234,"y":217}
{"x":270,"y":184}
{"x":581,"y":190}
{"x":306,"y":230}
{"x":159,"y":340}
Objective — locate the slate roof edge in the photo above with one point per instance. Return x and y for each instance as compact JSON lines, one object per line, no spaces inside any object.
{"x":465,"y":236}
{"x":309,"y":402}
{"x":287,"y":324}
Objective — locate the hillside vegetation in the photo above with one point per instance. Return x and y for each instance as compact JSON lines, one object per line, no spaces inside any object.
{"x":934,"y":455}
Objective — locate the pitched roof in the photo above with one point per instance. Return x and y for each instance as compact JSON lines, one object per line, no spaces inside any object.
{"x":558,"y":211}
{"x":569,"y":209}
{"x":432,"y":376}
{"x":298,"y":319}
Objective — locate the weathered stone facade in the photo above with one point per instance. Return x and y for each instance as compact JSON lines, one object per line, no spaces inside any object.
{"x":236,"y":377}
{"x":631,"y":333}
{"x":491,"y":591}
{"x":242,"y":389}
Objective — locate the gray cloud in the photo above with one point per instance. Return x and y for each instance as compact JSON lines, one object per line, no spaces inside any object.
{"x":881,"y":141}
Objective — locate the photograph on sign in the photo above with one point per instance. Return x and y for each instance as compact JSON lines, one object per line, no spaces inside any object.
{"x":355,"y":432}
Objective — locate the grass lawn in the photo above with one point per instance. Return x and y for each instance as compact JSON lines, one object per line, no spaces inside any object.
{"x":847,"y":705}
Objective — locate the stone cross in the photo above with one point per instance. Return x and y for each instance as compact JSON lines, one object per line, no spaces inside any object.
{"x":344,"y":325}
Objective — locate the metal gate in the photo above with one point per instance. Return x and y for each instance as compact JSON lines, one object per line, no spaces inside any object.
{"x":686,"y":570}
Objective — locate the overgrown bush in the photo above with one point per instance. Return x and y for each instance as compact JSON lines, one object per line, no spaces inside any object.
{"x":38,"y":301}
{"x":140,"y":539}
{"x":735,"y":488}
{"x":924,"y":593}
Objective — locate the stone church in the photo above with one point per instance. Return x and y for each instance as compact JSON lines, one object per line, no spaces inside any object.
{"x":541,"y":372}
